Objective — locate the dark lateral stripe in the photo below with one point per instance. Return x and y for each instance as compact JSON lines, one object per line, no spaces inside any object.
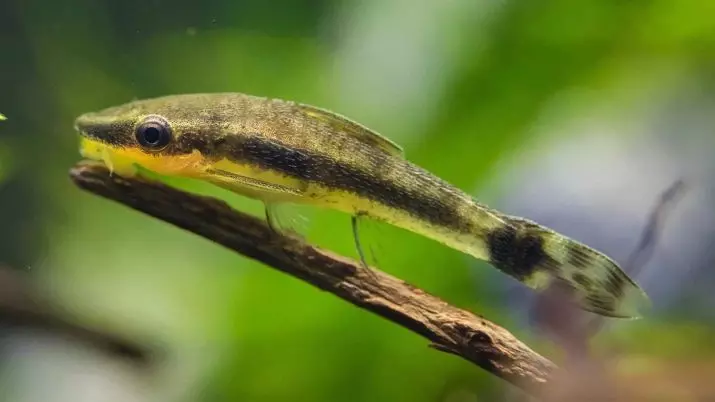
{"x":114,"y":134}
{"x":308,"y":166}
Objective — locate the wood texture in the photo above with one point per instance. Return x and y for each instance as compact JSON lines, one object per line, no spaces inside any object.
{"x":448,"y":328}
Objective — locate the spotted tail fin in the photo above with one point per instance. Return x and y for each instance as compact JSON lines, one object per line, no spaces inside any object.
{"x":540,"y":257}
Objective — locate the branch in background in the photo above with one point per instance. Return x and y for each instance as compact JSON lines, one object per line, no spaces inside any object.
{"x":651,"y":232}
{"x":572,"y":329}
{"x":449,"y":328}
{"x":646,"y":245}
{"x":22,"y":307}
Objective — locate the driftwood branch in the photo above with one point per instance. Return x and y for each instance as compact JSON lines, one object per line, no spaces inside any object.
{"x":448,"y":328}
{"x":23,"y":307}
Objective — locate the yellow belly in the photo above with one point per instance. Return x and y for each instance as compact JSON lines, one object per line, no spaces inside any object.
{"x":123,"y":161}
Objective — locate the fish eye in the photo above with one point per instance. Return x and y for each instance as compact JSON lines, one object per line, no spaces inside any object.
{"x":153,"y":133}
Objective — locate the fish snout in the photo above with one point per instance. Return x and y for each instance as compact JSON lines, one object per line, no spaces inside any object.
{"x":84,"y":122}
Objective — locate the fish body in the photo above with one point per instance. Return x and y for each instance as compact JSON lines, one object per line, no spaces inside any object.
{"x":281,"y":151}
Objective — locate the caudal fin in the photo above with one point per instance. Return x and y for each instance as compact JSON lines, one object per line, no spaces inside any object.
{"x":540,"y":257}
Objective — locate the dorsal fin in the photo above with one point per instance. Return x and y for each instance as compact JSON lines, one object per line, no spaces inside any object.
{"x":358,"y":131}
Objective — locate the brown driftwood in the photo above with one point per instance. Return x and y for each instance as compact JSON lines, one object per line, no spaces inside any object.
{"x":448,"y":328}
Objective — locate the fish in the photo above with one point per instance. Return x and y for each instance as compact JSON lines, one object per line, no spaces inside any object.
{"x":280,"y":151}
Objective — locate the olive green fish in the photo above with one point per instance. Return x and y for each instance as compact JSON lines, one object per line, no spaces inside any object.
{"x":278,"y":151}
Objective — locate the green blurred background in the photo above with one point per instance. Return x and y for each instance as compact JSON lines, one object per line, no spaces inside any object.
{"x":577,"y":113}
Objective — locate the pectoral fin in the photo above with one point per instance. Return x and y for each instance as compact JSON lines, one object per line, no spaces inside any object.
{"x":287,"y":218}
{"x":366,"y":236}
{"x":238,"y":182}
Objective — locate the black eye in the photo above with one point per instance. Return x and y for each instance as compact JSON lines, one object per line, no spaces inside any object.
{"x":154,"y":133}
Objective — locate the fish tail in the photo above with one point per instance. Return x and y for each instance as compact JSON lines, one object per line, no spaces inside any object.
{"x":539,"y":258}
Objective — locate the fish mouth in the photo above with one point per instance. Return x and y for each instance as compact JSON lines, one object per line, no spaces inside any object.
{"x":91,"y":144}
{"x":92,"y":149}
{"x":97,"y":151}
{"x":107,"y":139}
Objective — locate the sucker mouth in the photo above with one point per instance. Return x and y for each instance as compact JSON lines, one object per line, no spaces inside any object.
{"x":95,"y":151}
{"x":112,"y":158}
{"x":91,"y":148}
